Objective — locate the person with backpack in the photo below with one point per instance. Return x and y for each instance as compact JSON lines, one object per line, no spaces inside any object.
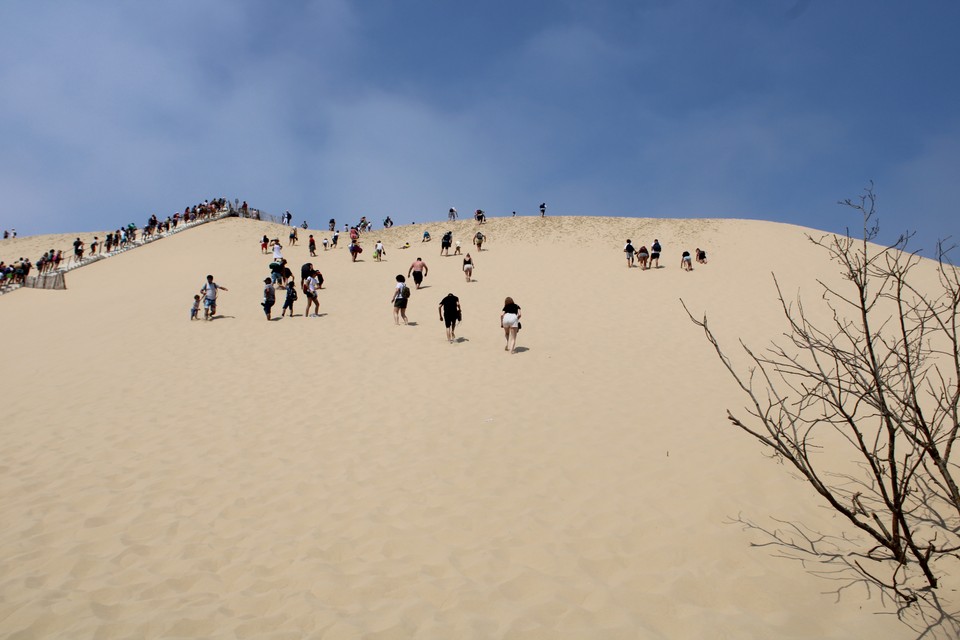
{"x":655,"y":254}
{"x":310,"y":286}
{"x":478,"y":240}
{"x":290,"y":299}
{"x":401,"y":293}
{"x":629,"y":250}
{"x":445,"y":243}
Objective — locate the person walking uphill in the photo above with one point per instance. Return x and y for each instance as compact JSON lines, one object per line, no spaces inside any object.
{"x":401,"y":293}
{"x":450,"y":314}
{"x":209,"y":292}
{"x":510,"y":322}
{"x":418,"y":270}
{"x":269,"y":297}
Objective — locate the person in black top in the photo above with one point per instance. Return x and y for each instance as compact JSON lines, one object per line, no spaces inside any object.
{"x":629,"y":250}
{"x":655,"y":254}
{"x":449,"y":310}
{"x":510,"y":321}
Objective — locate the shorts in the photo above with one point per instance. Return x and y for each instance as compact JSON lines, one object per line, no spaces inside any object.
{"x":655,"y":255}
{"x":209,"y":302}
{"x":444,"y":245}
{"x":686,"y":258}
{"x":449,"y":321}
{"x":400,"y":303}
{"x":267,"y":306}
{"x":288,"y":304}
{"x":510,"y":320}
{"x":311,"y":294}
{"x":418,"y":277}
{"x":468,"y":267}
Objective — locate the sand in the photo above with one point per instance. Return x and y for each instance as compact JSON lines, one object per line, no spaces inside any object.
{"x":343,"y":477}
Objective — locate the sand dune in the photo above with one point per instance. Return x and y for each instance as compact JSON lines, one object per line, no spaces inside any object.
{"x":343,"y":477}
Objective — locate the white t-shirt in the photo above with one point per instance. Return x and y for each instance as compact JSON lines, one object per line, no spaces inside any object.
{"x":312,"y":283}
{"x":210,"y":290}
{"x":277,"y":254}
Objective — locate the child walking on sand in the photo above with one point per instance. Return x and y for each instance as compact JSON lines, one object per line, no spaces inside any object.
{"x":290,"y":299}
{"x":195,"y":309}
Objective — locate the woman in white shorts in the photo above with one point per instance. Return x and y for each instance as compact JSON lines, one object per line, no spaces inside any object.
{"x":510,"y":321}
{"x":468,"y":267}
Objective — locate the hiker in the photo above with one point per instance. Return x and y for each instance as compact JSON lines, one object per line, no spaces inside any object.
{"x":312,"y":245}
{"x":642,"y":256}
{"x":543,"y":209}
{"x":210,"y":291}
{"x":445,"y":243}
{"x":478,"y":240}
{"x":629,"y":250}
{"x":510,"y":321}
{"x":379,"y":251}
{"x":269,"y":297}
{"x":426,"y":237}
{"x":195,"y":308}
{"x":685,"y":262}
{"x":401,"y":293}
{"x":418,"y":270}
{"x":450,"y":314}
{"x":655,"y":254}
{"x":468,"y":267}
{"x":290,"y":298}
{"x":701,"y":256}
{"x":310,"y":286}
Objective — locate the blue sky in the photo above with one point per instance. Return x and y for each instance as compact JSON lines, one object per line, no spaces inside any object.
{"x":770,"y":109}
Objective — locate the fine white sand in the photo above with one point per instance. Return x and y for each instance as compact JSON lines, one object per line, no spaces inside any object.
{"x":343,"y":477}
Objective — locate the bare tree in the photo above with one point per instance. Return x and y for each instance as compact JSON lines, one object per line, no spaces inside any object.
{"x":880,"y":379}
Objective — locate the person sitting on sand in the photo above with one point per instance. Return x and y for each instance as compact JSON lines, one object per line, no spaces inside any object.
{"x":450,"y":314}
{"x":701,"y":256}
{"x":685,"y":262}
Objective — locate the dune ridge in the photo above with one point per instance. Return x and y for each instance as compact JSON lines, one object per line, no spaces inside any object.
{"x":343,"y":477}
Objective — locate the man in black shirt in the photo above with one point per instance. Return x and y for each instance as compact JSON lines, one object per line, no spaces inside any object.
{"x":449,"y":310}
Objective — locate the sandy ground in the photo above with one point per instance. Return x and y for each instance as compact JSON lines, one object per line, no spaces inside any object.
{"x":343,"y":477}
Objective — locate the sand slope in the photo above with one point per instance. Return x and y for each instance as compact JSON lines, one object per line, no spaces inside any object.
{"x":342,"y":477}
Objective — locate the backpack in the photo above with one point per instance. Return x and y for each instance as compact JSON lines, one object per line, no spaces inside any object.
{"x":405,"y":292}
